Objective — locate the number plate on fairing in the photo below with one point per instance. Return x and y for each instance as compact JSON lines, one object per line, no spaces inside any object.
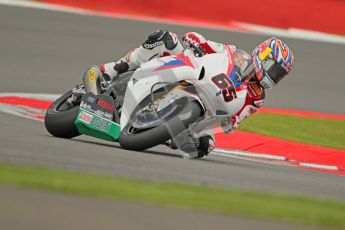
{"x":98,"y":117}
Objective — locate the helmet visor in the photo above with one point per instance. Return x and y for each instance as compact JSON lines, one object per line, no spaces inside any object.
{"x":274,"y":70}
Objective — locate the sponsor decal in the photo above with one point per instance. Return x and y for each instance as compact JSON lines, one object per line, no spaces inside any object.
{"x":85,"y":117}
{"x":153,"y":45}
{"x":85,"y":106}
{"x":101,"y":124}
{"x":91,"y":99}
{"x":92,"y":75}
{"x":254,"y":90}
{"x":265,"y":85}
{"x":105,"y":105}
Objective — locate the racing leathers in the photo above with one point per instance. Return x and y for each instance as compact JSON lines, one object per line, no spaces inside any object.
{"x":158,"y":44}
{"x":164,"y":43}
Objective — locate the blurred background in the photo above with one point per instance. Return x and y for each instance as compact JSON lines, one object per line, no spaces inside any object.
{"x":45,"y":48}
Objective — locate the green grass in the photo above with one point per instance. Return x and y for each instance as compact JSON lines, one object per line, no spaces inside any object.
{"x":315,"y":131}
{"x":286,"y":208}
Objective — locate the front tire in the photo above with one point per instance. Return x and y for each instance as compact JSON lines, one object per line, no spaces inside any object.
{"x":187,"y":112}
{"x":60,"y":117}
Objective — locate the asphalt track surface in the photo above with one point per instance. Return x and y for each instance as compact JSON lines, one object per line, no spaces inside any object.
{"x":55,"y":211}
{"x":46,"y":52}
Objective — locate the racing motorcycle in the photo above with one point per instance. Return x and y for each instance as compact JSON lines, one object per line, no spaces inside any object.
{"x":174,"y":99}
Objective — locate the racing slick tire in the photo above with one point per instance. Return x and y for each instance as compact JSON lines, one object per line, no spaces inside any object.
{"x":60,"y":117}
{"x":186,"y":112}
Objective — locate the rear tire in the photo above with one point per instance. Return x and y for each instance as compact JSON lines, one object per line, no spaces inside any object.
{"x":187,"y":112}
{"x":59,"y":118}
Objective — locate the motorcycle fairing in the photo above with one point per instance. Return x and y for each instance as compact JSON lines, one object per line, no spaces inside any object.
{"x":187,"y":68}
{"x":149,"y":74}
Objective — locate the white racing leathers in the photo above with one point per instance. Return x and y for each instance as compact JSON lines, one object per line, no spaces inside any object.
{"x":159,"y":44}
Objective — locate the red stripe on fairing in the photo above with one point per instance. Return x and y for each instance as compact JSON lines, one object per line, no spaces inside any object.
{"x":34,"y":103}
{"x":168,"y":67}
{"x":181,"y":57}
{"x":302,"y":113}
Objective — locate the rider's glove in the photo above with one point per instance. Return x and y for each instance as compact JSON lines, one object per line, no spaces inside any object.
{"x":121,"y":67}
{"x":193,"y":41}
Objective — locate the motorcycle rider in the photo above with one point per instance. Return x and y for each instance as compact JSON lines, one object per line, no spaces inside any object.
{"x":270,"y":62}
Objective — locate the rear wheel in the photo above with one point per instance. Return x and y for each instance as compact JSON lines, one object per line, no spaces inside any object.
{"x":181,"y":114}
{"x":60,"y":117}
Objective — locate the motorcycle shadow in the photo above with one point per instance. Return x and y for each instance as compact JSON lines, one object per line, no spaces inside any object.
{"x":166,"y":152}
{"x":117,"y":146}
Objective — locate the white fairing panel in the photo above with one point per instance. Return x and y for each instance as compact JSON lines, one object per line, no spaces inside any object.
{"x":139,"y":87}
{"x":169,"y":69}
{"x":214,"y":65}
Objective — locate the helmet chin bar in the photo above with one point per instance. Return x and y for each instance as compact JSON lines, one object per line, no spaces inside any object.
{"x":267,"y":83}
{"x":273,"y":71}
{"x":267,"y":64}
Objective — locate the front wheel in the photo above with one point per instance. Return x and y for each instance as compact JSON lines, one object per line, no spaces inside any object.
{"x":60,"y":117}
{"x":185,"y":112}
